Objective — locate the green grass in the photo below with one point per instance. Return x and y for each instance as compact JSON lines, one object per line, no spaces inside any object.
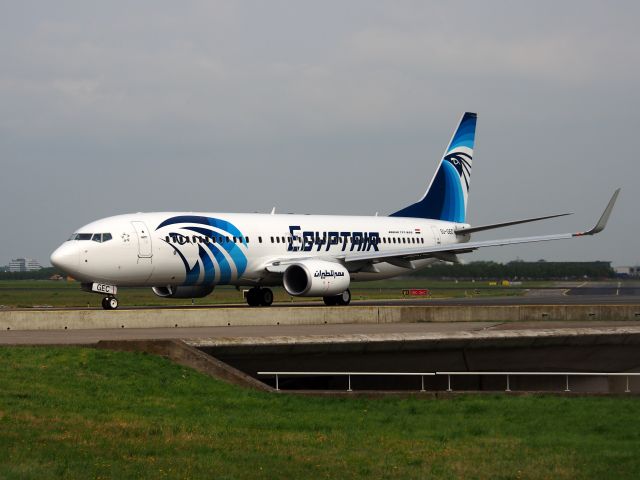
{"x":83,"y":413}
{"x":29,"y":293}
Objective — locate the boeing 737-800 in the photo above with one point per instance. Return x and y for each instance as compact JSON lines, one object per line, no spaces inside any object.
{"x":186,"y":254}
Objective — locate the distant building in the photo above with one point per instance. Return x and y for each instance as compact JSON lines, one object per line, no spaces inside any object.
{"x":633,"y":272}
{"x":24,"y":265}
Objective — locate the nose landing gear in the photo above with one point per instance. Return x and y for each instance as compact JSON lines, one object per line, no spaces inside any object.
{"x":109,"y":303}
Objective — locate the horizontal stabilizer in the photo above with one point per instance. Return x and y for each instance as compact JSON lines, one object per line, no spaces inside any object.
{"x":492,"y":226}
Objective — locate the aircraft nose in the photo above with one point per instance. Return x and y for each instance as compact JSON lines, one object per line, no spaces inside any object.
{"x":66,"y":257}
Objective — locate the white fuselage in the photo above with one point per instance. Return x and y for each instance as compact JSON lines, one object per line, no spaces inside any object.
{"x":187,"y":248}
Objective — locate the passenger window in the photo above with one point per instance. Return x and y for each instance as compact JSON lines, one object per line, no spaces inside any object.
{"x":283,"y":240}
{"x":235,"y":240}
{"x":271,"y":239}
{"x":227,"y":239}
{"x":106,"y":237}
{"x":246,"y":239}
{"x":97,"y":237}
{"x":277,"y":239}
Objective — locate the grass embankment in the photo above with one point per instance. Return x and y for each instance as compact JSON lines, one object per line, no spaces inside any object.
{"x":29,"y":293}
{"x":82,"y":413}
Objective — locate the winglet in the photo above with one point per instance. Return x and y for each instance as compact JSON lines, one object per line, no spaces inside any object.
{"x":603,"y":219}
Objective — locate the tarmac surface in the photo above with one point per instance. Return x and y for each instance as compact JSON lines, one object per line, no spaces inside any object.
{"x":577,"y":293}
{"x":566,"y":293}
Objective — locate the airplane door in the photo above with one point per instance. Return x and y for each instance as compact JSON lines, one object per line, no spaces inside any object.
{"x":144,"y":240}
{"x":436,"y":235}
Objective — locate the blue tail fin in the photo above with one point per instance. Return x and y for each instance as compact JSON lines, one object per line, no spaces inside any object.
{"x":447,"y":195}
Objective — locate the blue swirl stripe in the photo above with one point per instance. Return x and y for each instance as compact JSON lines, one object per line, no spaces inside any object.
{"x":192,"y":274}
{"x":211,"y":253}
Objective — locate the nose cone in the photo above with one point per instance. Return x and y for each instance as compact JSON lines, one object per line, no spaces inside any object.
{"x":66,"y":257}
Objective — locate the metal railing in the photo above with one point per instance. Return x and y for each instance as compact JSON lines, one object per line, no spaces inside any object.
{"x":349,"y":375}
{"x":546,"y":374}
{"x":508,"y":376}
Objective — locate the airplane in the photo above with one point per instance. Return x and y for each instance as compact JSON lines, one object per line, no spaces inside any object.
{"x":187,"y":254}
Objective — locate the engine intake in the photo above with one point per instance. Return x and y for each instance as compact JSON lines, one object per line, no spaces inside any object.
{"x":315,"y":278}
{"x":182,"y":291}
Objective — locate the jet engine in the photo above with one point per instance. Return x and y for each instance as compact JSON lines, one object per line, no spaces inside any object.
{"x":183,"y":291}
{"x":315,"y":278}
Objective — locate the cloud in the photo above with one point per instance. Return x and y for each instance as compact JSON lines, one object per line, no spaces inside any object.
{"x":155,"y":104}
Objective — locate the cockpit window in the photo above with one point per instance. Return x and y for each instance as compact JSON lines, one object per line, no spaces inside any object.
{"x":84,"y":236}
{"x":101,"y":237}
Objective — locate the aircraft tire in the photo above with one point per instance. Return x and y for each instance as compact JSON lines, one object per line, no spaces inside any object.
{"x":253,"y":297}
{"x":110,"y":303}
{"x":266,"y":297}
{"x":344,"y":298}
{"x":330,"y":301}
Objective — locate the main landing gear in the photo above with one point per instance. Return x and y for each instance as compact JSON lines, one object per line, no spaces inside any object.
{"x":109,"y":303}
{"x":262,"y":297}
{"x":343,"y":299}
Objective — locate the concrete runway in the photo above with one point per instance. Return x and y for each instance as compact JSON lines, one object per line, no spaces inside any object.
{"x":86,"y":337}
{"x":575,"y":296}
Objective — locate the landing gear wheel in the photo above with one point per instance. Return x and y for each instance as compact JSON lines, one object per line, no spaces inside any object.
{"x":330,"y":301}
{"x":344,"y":298}
{"x":253,"y":297}
{"x":109,"y":303}
{"x":266,"y":297}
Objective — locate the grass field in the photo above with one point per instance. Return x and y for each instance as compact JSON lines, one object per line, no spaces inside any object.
{"x":83,"y":413}
{"x":29,"y":293}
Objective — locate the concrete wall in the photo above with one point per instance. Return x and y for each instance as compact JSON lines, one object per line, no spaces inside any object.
{"x":220,"y":316}
{"x":562,"y":350}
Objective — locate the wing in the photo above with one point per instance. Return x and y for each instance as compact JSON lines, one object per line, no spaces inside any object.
{"x":492,"y":226}
{"x":423,"y":252}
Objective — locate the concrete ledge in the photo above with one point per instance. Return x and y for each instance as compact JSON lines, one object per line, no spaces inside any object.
{"x":281,"y":315}
{"x":407,"y":342}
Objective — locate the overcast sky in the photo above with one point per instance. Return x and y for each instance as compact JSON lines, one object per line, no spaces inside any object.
{"x":318,"y":107}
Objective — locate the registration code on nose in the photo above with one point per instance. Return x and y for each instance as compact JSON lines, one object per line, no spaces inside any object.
{"x":104,"y":288}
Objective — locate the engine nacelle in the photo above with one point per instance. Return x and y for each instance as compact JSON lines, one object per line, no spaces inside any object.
{"x":182,"y":291}
{"x":315,"y":278}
